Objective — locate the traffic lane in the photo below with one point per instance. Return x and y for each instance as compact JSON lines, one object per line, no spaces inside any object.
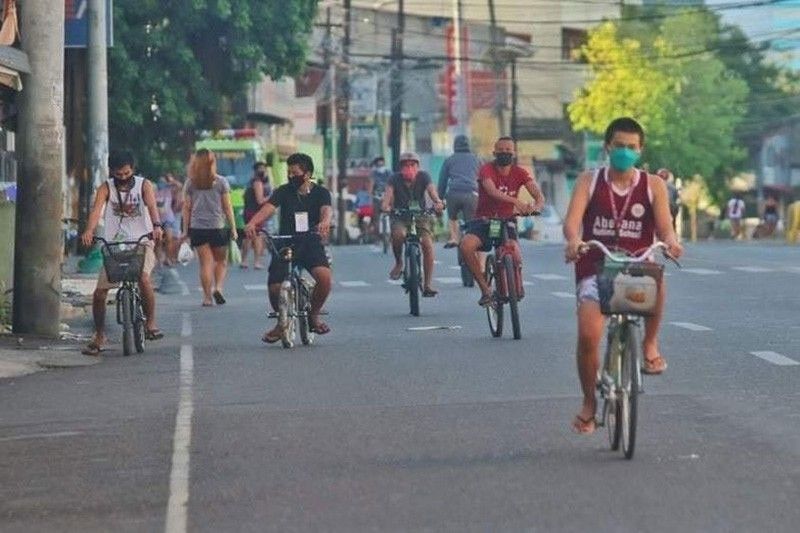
{"x":88,"y":449}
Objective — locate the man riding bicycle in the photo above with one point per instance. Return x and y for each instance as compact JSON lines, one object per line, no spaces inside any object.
{"x":623,"y":207}
{"x":407,"y":189}
{"x":499,"y":184}
{"x":305,"y":213}
{"x":128,"y":204}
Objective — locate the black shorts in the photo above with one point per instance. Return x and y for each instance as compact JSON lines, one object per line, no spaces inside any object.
{"x":309,"y":253}
{"x":480,"y":228}
{"x":216,"y":238}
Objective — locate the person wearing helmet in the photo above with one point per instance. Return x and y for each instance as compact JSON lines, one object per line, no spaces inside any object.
{"x":407,"y":189}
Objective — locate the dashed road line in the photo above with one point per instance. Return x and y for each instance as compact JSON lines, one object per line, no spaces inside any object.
{"x":775,"y":358}
{"x":56,"y":435}
{"x":561,"y":294}
{"x":258,"y":287}
{"x":549,"y":277}
{"x":702,"y":271}
{"x":690,"y":326}
{"x":354,"y":284}
{"x":394,"y":281}
{"x":754,"y":269}
{"x":449,"y":280}
{"x":186,"y":326}
{"x":177,"y":505}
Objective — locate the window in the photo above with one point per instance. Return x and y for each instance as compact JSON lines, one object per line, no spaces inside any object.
{"x":572,"y":39}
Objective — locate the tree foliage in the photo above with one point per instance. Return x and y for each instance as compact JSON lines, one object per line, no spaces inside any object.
{"x":703,"y":92}
{"x":181,"y":65}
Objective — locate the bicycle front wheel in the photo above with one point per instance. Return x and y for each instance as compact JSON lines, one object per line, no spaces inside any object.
{"x":304,"y":313}
{"x":510,"y":272}
{"x":413,"y":280}
{"x":126,"y":303}
{"x":630,"y":388}
{"x":287,"y":307}
{"x":138,"y":324}
{"x":494,"y":311}
{"x":612,"y":409}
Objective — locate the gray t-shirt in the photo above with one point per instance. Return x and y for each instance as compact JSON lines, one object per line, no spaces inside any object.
{"x":207,"y":212}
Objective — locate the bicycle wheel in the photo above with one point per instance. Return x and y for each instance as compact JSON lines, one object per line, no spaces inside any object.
{"x":286,"y":317}
{"x":630,"y":388}
{"x":510,"y":273}
{"x":466,"y":274}
{"x":413,"y":280}
{"x":303,"y":312}
{"x":494,"y":311}
{"x":138,"y":324}
{"x":612,"y":407}
{"x":385,"y":232}
{"x":126,"y":303}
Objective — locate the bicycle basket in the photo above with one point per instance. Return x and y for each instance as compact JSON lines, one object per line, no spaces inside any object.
{"x":123,"y":264}
{"x":629,"y":288}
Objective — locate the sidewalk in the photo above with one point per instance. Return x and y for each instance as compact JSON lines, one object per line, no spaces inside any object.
{"x":20,"y":355}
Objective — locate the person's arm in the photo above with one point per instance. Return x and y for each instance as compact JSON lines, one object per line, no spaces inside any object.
{"x":258,"y":189}
{"x":536,"y":193}
{"x":572,"y":222}
{"x":325,"y":218}
{"x":227,"y":207}
{"x":149,"y":197}
{"x":100,"y":200}
{"x":663,"y":218}
{"x":493,"y":192}
{"x":388,"y":198}
{"x":265,"y":212}
{"x":437,"y":202}
{"x":444,"y":176}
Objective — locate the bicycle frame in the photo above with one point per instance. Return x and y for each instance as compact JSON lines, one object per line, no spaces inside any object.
{"x":503,"y":247}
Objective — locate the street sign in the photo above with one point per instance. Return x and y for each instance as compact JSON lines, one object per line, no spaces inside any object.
{"x":76,"y":23}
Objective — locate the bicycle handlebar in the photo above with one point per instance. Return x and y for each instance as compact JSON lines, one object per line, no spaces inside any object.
{"x":410,"y":211}
{"x":104,"y":242}
{"x":644,"y":256}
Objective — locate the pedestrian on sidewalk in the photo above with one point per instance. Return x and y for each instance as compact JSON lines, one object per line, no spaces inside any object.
{"x":735,"y":213}
{"x":673,"y":193}
{"x":258,"y":191}
{"x":206,"y":209}
{"x":128,"y":204}
{"x":167,"y":249}
{"x":458,"y":184}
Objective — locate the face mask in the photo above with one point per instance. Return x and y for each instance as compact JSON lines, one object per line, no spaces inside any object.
{"x":261,"y":173}
{"x":503,"y":159}
{"x":409,"y":173}
{"x":623,"y":159}
{"x":123,"y":183}
{"x":297,"y":181}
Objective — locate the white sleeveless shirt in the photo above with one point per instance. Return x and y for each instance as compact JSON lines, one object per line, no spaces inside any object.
{"x":126,"y":216}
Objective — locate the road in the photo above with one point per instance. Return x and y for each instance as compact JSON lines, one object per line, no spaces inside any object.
{"x":378,"y":428}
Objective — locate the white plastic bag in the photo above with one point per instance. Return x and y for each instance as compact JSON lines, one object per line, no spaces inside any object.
{"x":185,"y":254}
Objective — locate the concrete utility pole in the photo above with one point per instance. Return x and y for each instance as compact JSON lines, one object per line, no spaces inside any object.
{"x":498,"y":70}
{"x":462,"y":114}
{"x":98,"y":93}
{"x":38,"y":237}
{"x":344,"y":127}
{"x":396,"y":118}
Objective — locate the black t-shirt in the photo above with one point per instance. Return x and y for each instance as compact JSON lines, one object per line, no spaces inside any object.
{"x":290,"y":201}
{"x":404,"y":195}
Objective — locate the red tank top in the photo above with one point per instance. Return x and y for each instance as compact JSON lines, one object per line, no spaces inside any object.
{"x":632,"y":212}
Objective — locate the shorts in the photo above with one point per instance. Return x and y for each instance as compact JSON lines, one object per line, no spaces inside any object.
{"x":586,"y":290}
{"x":771,"y":218}
{"x":309,"y":253}
{"x":147,"y":268}
{"x":462,"y":202}
{"x":172,"y":226}
{"x":216,"y":238}
{"x":480,"y":228}
{"x":424,"y":225}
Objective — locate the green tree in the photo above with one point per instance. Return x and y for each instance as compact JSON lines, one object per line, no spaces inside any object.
{"x":182,"y":65}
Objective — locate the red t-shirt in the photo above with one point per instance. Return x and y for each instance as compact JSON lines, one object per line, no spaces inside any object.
{"x":489,"y":207}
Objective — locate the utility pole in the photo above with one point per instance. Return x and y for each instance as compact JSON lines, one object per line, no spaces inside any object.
{"x":344,"y":126}
{"x":498,"y":70}
{"x":514,"y":97}
{"x":326,"y":123}
{"x":396,"y":119}
{"x":38,"y":236}
{"x":98,"y":92}
{"x":462,"y":115}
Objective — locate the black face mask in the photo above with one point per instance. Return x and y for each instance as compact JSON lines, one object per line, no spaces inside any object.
{"x":123,"y":183}
{"x":297,"y":181}
{"x":261,"y":173}
{"x":503,"y":159}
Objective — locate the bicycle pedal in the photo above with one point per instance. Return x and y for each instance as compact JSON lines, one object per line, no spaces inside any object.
{"x":272,"y":315}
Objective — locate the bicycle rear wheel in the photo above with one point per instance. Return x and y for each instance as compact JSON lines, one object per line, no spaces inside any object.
{"x":126,"y":303}
{"x":287,"y":307}
{"x":138,"y":325}
{"x":494,"y":311}
{"x":303,"y":313}
{"x":630,"y":387}
{"x":513,"y":301}
{"x":413,"y":280}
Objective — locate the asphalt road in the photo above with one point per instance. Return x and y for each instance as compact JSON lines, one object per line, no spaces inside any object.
{"x":378,"y":428}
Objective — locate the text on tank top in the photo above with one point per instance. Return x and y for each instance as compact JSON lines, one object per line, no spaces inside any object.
{"x":126,"y":215}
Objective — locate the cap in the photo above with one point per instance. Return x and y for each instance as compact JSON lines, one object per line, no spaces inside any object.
{"x":409,"y":156}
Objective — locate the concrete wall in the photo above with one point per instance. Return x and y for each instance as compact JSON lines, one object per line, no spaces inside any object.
{"x":7,"y":213}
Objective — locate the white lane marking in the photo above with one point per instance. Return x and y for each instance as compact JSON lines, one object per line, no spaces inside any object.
{"x":561,"y":294}
{"x":437,"y":262}
{"x":775,"y":358}
{"x":352,"y":284}
{"x":432,"y":328}
{"x":449,"y":281}
{"x":754,"y":269}
{"x":184,"y":287}
{"x":260,"y":287}
{"x":55,"y":435}
{"x":690,"y":326}
{"x":793,"y":270}
{"x":549,"y":277}
{"x":178,"y":503}
{"x":527,"y":283}
{"x":186,"y":327}
{"x":701,"y":271}
{"x":394,"y":281}
{"x":455,"y":267}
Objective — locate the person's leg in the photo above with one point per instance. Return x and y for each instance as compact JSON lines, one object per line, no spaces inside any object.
{"x":206,"y":260}
{"x":470,"y":245}
{"x":428,"y":256}
{"x":148,"y":302}
{"x":99,"y":314}
{"x":398,"y":238}
{"x":324,"y":279}
{"x":590,"y":333}
{"x":220,"y":254}
{"x":258,"y":251}
{"x":246,"y":245}
{"x":652,"y":324}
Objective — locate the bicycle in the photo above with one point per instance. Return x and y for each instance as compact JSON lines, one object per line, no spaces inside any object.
{"x":124,"y":262}
{"x":294,"y":299}
{"x":384,"y":226}
{"x":505,"y":273}
{"x":467,"y":279}
{"x":628,"y":288}
{"x":412,"y":256}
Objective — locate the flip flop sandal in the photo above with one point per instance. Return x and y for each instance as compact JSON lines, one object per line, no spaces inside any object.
{"x":451,"y":244}
{"x":429,"y":293}
{"x":208,"y":304}
{"x":218,"y":297}
{"x":396,"y":276}
{"x":153,"y":334}
{"x":269,"y":339}
{"x":92,"y":349}
{"x":320,"y":328}
{"x":486,"y":300}
{"x":244,"y":267}
{"x":654,"y":367}
{"x":584,"y":426}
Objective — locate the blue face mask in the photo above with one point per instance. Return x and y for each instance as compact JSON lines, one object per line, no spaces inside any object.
{"x":623,"y":159}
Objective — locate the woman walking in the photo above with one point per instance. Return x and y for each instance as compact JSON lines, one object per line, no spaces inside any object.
{"x":206,"y":207}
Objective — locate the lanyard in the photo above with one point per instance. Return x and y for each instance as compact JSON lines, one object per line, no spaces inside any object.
{"x":119,"y":199}
{"x":619,"y":216}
